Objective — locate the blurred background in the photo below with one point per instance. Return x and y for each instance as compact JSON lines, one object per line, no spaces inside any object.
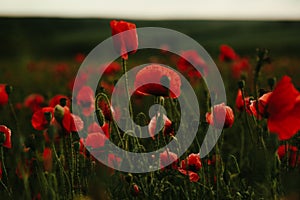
{"x":44,"y":36}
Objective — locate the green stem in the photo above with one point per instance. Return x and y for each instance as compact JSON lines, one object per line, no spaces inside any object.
{"x":247,"y":119}
{"x":6,"y":189}
{"x":61,"y":166}
{"x":124,"y":67}
{"x":3,"y":165}
{"x":104,"y":97}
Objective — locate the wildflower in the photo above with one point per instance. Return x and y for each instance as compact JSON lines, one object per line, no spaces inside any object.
{"x":239,"y":66}
{"x":86,"y":99}
{"x":3,"y":95}
{"x":227,"y":53}
{"x":34,"y":102}
{"x":47,"y":157}
{"x":190,"y":62}
{"x":239,"y":101}
{"x":281,"y":107}
{"x":190,"y":166}
{"x":97,"y":135}
{"x":112,"y":69}
{"x":262,"y":106}
{"x":79,"y":57}
{"x":42,"y":118}
{"x":5,"y":136}
{"x":291,"y":151}
{"x":150,"y":81}
{"x":59,"y":100}
{"x":167,"y":126}
{"x":135,"y":189}
{"x":72,"y":123}
{"x":166,"y":158}
{"x":114,"y":161}
{"x":125,"y":42}
{"x":94,"y":127}
{"x":220,"y":111}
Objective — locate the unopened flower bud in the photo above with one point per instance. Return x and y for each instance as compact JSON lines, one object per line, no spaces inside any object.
{"x":135,"y":189}
{"x":63,"y":102}
{"x":59,"y":112}
{"x":241,"y":84}
{"x":271,"y":82}
{"x":8,"y":89}
{"x":129,"y":178}
{"x":100,"y":117}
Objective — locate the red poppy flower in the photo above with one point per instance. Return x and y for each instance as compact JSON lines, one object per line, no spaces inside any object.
{"x":168,"y":157}
{"x":124,"y":42}
{"x":71,"y":122}
{"x":96,"y":140}
{"x":112,"y":69}
{"x":192,"y":162}
{"x":227,"y":53}
{"x":188,"y":68}
{"x":262,"y":106}
{"x":94,"y":127}
{"x":168,"y":129}
{"x":56,"y":100}
{"x":239,"y":102}
{"x":81,"y":80}
{"x":6,"y":136}
{"x":61,"y":70}
{"x":149,"y":81}
{"x":283,"y":109}
{"x":47,"y":158}
{"x":86,"y":99}
{"x":42,"y":118}
{"x":108,"y":87}
{"x":190,"y":166}
{"x":292,"y":153}
{"x":114,"y":160}
{"x":193,"y":176}
{"x":34,"y":102}
{"x":135,"y":189}
{"x":3,"y":95}
{"x":239,"y":66}
{"x":79,"y":57}
{"x":219,"y":111}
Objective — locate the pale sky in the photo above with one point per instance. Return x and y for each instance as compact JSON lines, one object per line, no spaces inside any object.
{"x":155,"y":9}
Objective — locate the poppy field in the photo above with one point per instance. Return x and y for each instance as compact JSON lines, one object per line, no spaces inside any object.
{"x":57,"y":132}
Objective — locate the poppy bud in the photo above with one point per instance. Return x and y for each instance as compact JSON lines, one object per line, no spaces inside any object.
{"x":272,"y":82}
{"x":129,"y":178}
{"x":59,"y":112}
{"x":135,"y":189}
{"x":241,"y":84}
{"x":63,"y":102}
{"x":8,"y":89}
{"x":100,"y":117}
